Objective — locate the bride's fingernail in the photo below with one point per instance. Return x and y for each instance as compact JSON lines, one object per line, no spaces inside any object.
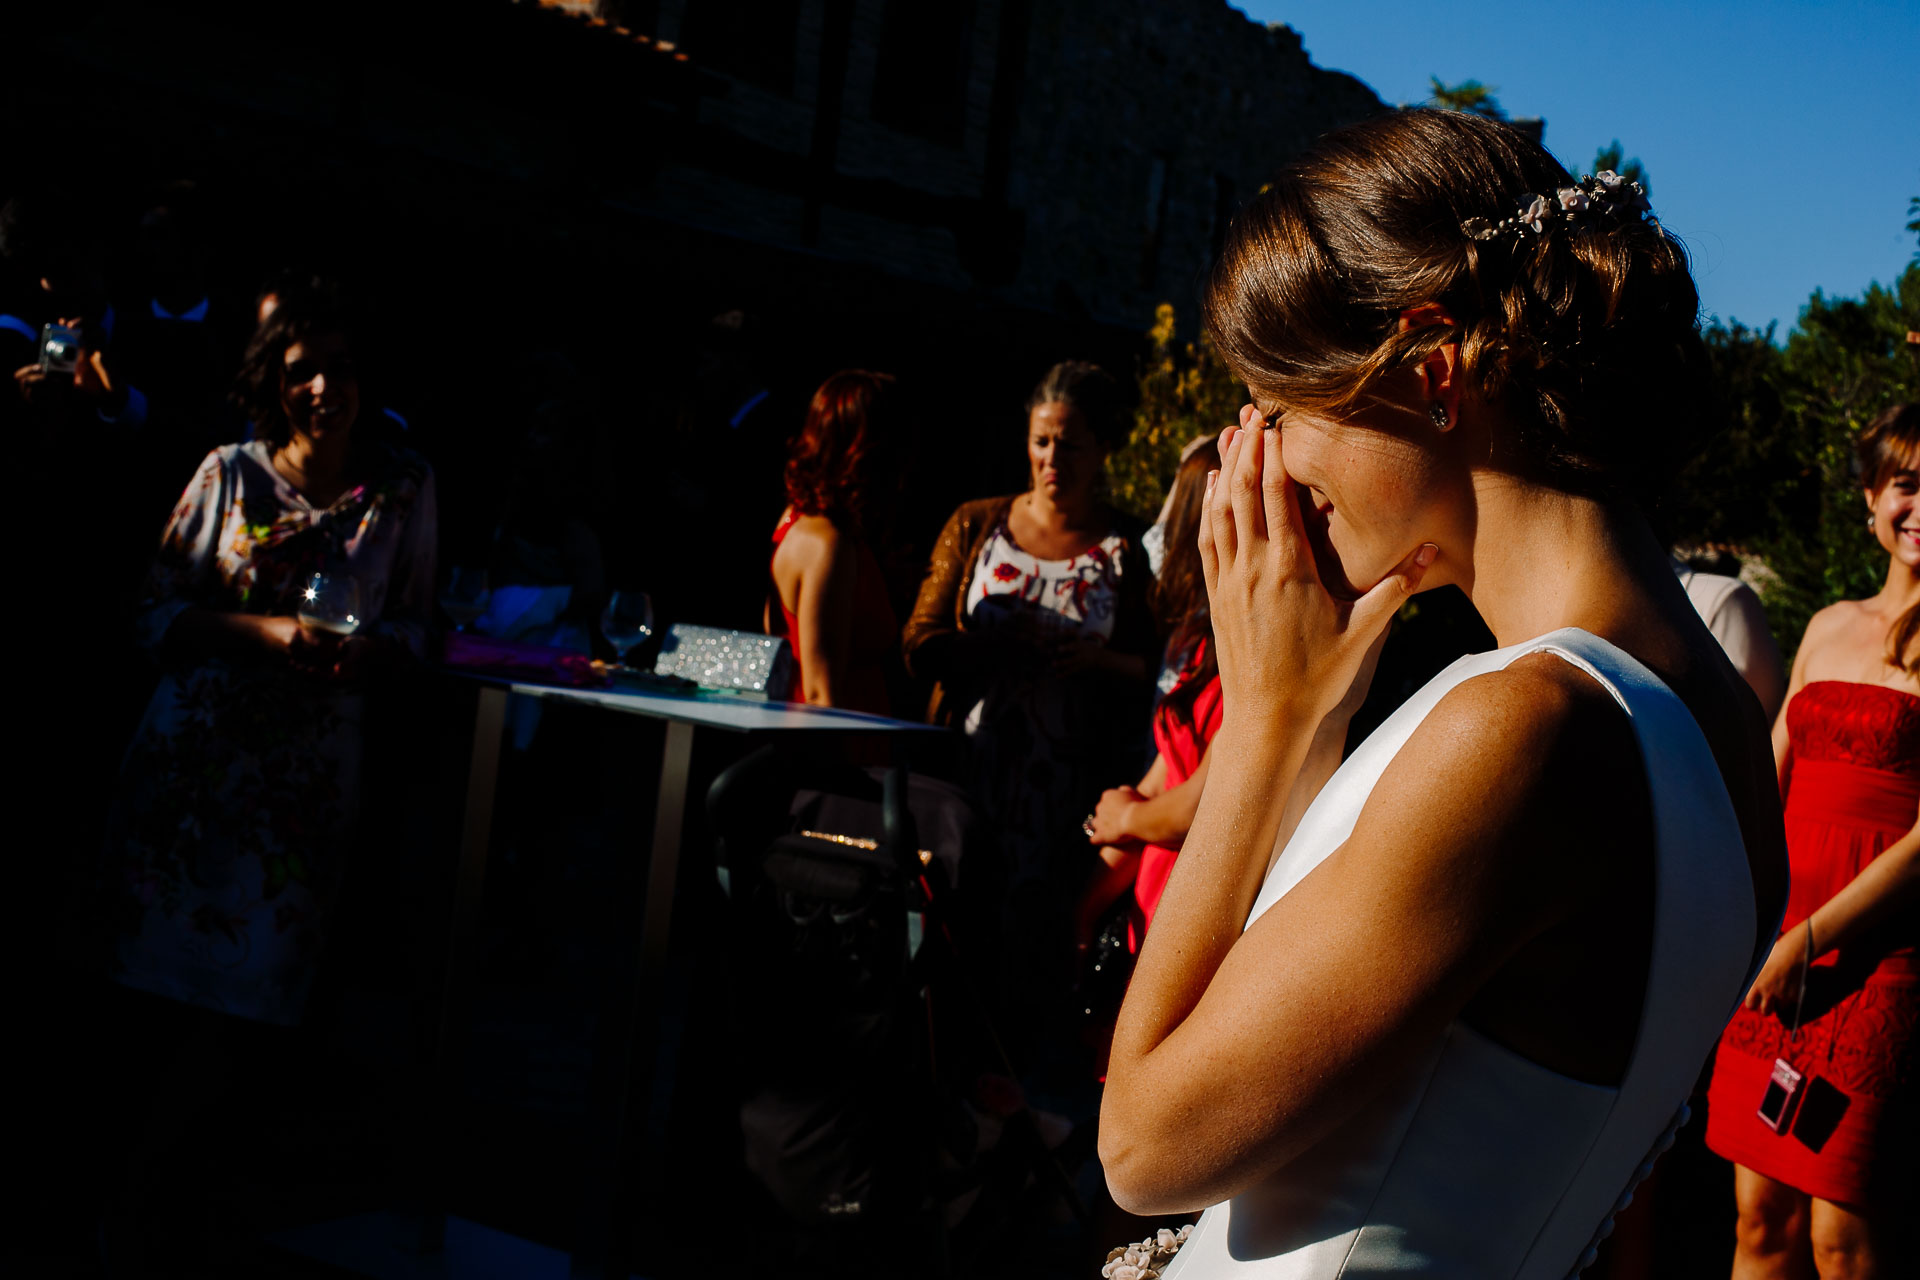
{"x":1424,"y":556}
{"x":1211,"y":477}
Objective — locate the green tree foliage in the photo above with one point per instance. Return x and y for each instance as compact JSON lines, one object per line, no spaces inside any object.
{"x":1778,"y":479}
{"x":1469,"y":96}
{"x":1186,"y":391}
{"x":1615,"y":158}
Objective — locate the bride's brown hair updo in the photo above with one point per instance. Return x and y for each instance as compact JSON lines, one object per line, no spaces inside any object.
{"x":1585,"y":336}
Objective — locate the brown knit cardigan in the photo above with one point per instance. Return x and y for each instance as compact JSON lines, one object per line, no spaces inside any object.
{"x":940,"y":613}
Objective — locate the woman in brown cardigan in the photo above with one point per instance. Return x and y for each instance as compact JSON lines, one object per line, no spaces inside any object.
{"x":1034,"y":625}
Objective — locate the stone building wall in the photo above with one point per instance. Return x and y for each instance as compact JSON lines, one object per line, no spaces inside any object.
{"x":1143,"y":125}
{"x":1137,"y":127}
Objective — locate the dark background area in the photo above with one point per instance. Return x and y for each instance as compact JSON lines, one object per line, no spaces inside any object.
{"x":462,"y":265}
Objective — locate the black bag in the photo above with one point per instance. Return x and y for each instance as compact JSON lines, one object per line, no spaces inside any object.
{"x":1107,"y":967}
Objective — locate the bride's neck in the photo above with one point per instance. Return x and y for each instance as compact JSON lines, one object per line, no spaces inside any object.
{"x":1543,"y":560}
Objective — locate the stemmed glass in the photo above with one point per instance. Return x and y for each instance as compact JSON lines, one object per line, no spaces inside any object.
{"x":331,"y":603}
{"x":464,"y":598}
{"x":627,"y":622}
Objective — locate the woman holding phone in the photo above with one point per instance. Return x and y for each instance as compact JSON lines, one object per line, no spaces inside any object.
{"x":1824,"y":1148}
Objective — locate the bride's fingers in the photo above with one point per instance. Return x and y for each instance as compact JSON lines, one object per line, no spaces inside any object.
{"x":1209,"y":558}
{"x":1226,"y":539}
{"x":1243,"y":481}
{"x":1373,"y":611}
{"x":1251,"y":418}
{"x":1279,"y":499}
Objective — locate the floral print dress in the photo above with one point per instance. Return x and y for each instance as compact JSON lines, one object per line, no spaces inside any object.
{"x":236,"y":806}
{"x":1036,"y":758}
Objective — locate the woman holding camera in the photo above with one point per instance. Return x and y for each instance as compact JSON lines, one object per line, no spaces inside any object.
{"x":1438,"y":1013}
{"x":1813,"y":1085}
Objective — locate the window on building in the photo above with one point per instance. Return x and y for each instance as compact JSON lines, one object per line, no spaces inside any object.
{"x":752,"y":39}
{"x":920,"y":81}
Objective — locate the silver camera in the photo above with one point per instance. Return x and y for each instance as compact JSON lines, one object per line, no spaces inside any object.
{"x":59,"y":348}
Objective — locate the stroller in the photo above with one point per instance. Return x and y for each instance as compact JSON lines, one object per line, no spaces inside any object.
{"x":856,"y":1029}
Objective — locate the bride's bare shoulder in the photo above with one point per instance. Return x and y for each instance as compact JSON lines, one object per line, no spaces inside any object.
{"x":1534,"y":703}
{"x":1537,"y":742}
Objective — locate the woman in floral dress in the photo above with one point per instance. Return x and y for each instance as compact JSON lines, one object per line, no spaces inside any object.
{"x":236,"y":806}
{"x":1034,"y":624}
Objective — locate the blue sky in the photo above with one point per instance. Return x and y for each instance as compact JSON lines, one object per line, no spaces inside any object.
{"x":1782,"y":140}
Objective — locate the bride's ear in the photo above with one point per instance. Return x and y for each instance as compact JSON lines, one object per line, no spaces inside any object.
{"x":1440,"y":372}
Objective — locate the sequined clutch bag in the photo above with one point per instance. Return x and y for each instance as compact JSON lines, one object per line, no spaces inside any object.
{"x":719,"y":659}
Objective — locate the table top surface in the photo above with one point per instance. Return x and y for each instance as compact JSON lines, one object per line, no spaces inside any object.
{"x":719,"y":710}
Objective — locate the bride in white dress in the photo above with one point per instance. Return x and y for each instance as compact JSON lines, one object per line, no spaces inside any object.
{"x":1447,"y":1027}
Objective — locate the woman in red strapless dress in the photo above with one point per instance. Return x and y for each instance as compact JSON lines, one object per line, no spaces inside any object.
{"x":1840,"y":1160}
{"x":828,"y":597}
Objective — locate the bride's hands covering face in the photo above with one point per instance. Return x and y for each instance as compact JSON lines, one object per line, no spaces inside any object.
{"x":1289,"y":649}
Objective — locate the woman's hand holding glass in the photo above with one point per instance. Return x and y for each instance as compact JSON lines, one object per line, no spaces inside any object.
{"x":306,"y":649}
{"x":1289,"y":649}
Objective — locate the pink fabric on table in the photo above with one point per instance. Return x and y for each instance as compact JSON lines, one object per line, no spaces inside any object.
{"x":484,"y":655}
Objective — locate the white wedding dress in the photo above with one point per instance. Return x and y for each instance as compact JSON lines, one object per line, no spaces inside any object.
{"x":1475,"y":1162}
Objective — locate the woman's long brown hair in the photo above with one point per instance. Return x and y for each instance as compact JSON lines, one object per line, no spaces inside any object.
{"x":844,"y":447}
{"x":1180,"y":592}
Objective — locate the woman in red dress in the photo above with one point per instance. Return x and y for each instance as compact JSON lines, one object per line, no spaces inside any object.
{"x":1839,"y":998}
{"x":1139,"y":829}
{"x":829,"y":598}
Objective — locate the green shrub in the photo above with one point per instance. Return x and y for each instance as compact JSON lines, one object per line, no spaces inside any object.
{"x":1801,"y":410}
{"x":1186,"y":391}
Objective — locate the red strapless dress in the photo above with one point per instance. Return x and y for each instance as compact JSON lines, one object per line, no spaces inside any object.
{"x":1853,"y":790}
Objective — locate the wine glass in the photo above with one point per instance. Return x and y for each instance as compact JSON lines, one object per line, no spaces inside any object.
{"x":331,"y":603}
{"x":627,"y":622}
{"x":464,"y":598}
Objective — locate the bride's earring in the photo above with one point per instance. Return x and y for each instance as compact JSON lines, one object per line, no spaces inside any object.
{"x":1438,"y":412}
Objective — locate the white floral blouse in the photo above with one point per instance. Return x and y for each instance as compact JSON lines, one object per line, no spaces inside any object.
{"x":236,"y":805}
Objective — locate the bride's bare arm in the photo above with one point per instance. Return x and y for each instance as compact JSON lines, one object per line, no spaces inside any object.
{"x":1234,"y":1052}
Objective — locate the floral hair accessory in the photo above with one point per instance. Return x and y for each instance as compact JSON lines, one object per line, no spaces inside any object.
{"x":1595,"y":194}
